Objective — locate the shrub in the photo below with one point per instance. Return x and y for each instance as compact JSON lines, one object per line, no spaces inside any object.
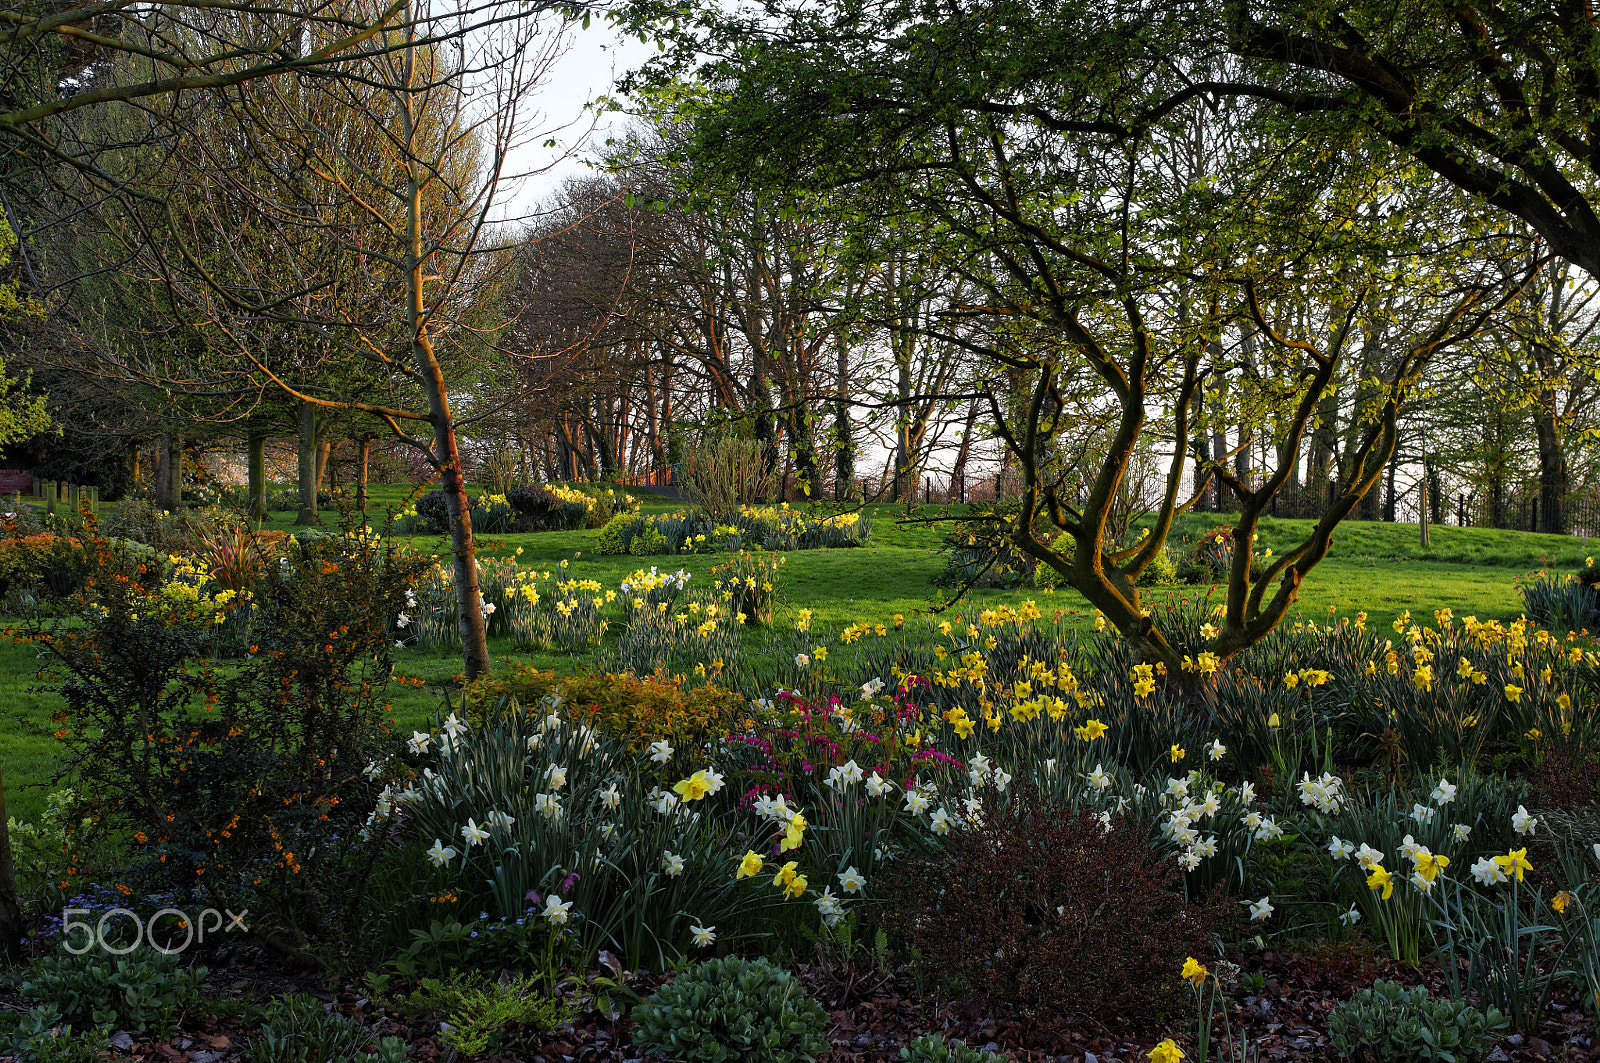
{"x":1389,"y":1022}
{"x":144,"y":990}
{"x":433,"y":513}
{"x":1052,"y":910}
{"x":732,"y":1009}
{"x":931,"y":1049}
{"x":50,"y":565}
{"x":642,"y":709}
{"x":723,"y":474}
{"x":540,"y":509}
{"x":300,"y":1029}
{"x":249,"y":786}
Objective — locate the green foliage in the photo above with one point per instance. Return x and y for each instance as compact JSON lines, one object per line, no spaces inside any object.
{"x":732,"y":1009}
{"x":1561,"y":602}
{"x":930,"y":1048}
{"x":144,"y":990}
{"x":301,"y":1029}
{"x":640,"y":709}
{"x":51,"y":566}
{"x":488,"y":1015}
{"x":1388,"y":1022}
{"x":38,"y":1036}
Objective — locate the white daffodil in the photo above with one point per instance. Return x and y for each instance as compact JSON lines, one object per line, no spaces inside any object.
{"x":1261,"y":909}
{"x":878,"y":786}
{"x":1444,"y":793}
{"x":497,"y":818}
{"x":610,"y":797}
{"x":555,"y":776}
{"x":419,"y":741}
{"x":661,"y":751}
{"x":1368,"y":857}
{"x":1218,"y":750}
{"x":673,"y":863}
{"x":440,"y":854}
{"x":940,"y":822}
{"x":1341,"y":850}
{"x":556,"y":911}
{"x":1523,"y":823}
{"x":850,"y":880}
{"x":1462,"y":831}
{"x":702,"y":936}
{"x":1488,"y":873}
{"x":916,"y":804}
{"x":474,"y":834}
{"x":1098,"y":778}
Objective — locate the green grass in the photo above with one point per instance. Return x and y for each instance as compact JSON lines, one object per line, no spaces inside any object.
{"x":1379,"y":568}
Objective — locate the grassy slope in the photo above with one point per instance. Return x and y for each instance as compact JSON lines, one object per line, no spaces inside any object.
{"x":1376,"y":567}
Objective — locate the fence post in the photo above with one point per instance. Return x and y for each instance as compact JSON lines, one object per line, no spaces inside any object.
{"x":1461,"y":510}
{"x":1533,"y":521}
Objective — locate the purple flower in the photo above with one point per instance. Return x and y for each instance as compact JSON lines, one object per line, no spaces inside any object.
{"x":566,"y":883}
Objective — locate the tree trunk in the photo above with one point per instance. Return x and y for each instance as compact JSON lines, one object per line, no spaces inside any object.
{"x":307,"y":454}
{"x":159,"y":460}
{"x":10,"y":903}
{"x":1221,"y":497}
{"x":958,"y":472}
{"x":464,"y":550}
{"x":361,"y":474}
{"x":844,"y":447}
{"x":324,"y":449}
{"x":1552,"y":468}
{"x":175,"y":472}
{"x":135,"y":459}
{"x":258,"y":476}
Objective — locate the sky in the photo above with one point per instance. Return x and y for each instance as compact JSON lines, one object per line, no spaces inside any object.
{"x":596,"y":57}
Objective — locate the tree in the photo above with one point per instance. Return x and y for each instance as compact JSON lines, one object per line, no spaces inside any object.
{"x":1501,"y":100}
{"x":1021,"y":148}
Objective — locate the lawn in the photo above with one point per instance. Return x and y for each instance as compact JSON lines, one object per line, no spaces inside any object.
{"x":1378,"y":568}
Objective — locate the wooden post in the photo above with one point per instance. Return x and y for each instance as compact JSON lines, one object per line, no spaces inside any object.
{"x":1422,"y":500}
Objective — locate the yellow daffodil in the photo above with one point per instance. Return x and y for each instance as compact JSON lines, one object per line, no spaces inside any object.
{"x":1514,"y":863}
{"x":1513,"y":692}
{"x":1560,"y":901}
{"x":750,"y":865}
{"x":1194,"y":972}
{"x":1381,"y":879}
{"x":694,"y":787}
{"x":1166,"y":1052}
{"x":1178,"y":752}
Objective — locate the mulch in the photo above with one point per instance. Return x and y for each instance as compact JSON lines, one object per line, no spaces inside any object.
{"x":873,"y":1013}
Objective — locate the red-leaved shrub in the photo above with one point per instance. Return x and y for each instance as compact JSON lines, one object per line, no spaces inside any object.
{"x":1052,"y":911}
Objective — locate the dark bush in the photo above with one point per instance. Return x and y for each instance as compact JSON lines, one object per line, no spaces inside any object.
{"x":434,"y":513}
{"x":1051,"y":910}
{"x":538,"y":509}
